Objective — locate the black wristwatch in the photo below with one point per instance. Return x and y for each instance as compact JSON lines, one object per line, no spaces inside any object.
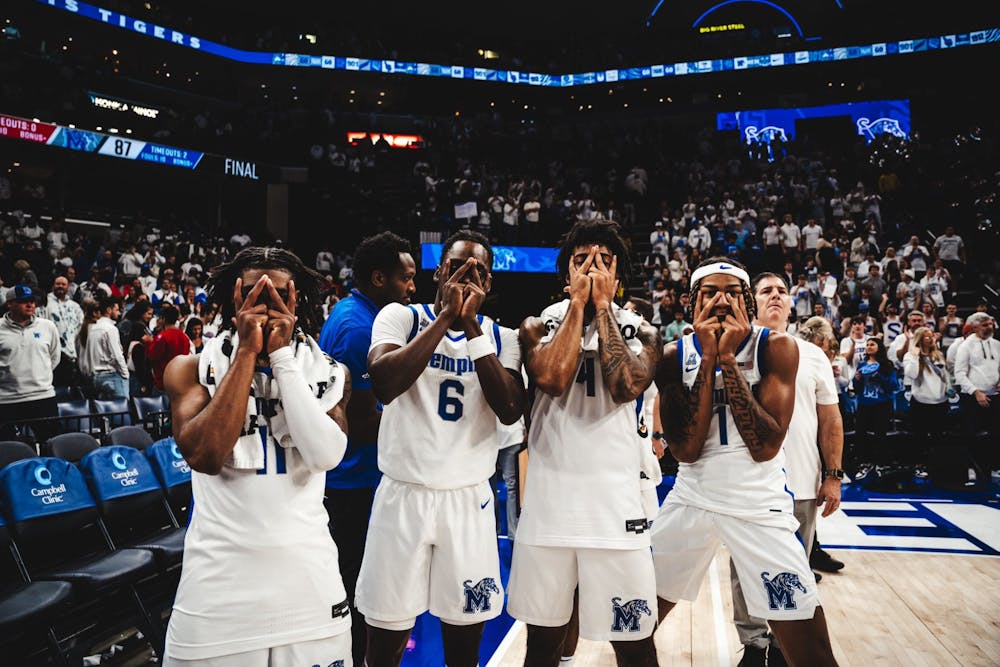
{"x":657,"y":435}
{"x":836,"y":473}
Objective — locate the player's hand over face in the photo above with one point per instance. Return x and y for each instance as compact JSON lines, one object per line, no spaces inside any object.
{"x":735,"y":327}
{"x":280,"y":317}
{"x":473,"y":294}
{"x":250,"y":315}
{"x":707,"y":326}
{"x":453,"y":291}
{"x":580,"y":282}
{"x":603,"y":280}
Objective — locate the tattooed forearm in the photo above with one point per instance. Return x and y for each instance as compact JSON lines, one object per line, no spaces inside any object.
{"x":677,"y":415}
{"x":757,"y":428}
{"x":625,"y":374}
{"x":680,"y":408}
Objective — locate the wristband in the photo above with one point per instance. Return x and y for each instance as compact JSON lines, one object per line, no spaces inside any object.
{"x":657,"y":435}
{"x":480,"y":347}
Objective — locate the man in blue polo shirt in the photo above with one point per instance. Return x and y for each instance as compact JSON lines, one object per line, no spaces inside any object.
{"x":383,"y":273}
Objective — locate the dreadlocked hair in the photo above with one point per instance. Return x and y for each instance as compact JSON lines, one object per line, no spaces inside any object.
{"x":222,"y":280}
{"x":748,"y":297}
{"x":596,"y":231}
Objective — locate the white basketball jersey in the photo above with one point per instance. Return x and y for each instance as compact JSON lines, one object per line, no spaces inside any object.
{"x":725,"y":478}
{"x":440,"y":433}
{"x":260,"y":568}
{"x":650,"y":474}
{"x":582,"y":487}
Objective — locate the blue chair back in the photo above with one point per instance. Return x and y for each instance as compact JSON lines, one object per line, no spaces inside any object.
{"x":42,"y":486}
{"x":168,"y":463}
{"x":117,"y":471}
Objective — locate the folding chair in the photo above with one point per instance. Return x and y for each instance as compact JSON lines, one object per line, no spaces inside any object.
{"x":76,"y":415}
{"x":174,"y":474}
{"x":70,"y":446}
{"x":153,"y":413}
{"x":114,"y":412}
{"x":60,"y":537}
{"x":132,"y":503}
{"x":27,"y":607}
{"x":130,"y":436}
{"x":15,"y":450}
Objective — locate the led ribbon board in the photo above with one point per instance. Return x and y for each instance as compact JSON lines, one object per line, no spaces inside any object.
{"x":354,"y":64}
{"x":870,"y":119}
{"x":522,"y":259}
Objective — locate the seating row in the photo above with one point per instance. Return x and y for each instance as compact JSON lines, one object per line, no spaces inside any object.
{"x":98,"y":543}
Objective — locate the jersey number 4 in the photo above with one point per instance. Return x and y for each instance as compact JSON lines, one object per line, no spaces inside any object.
{"x":449,"y":406}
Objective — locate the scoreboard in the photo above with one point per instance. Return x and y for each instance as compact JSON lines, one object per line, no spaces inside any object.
{"x":125,"y":147}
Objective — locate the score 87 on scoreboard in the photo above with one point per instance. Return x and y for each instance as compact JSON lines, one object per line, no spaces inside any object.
{"x":112,"y":145}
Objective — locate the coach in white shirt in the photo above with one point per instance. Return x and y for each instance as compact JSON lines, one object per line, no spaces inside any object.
{"x":977,"y":372}
{"x":816,"y":416}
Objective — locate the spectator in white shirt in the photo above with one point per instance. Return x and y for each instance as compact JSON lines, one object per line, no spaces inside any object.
{"x":937,"y":284}
{"x":791,"y":238}
{"x":130,"y":262}
{"x":811,"y":234}
{"x":659,"y":238}
{"x":909,"y":293}
{"x":57,"y":239}
{"x":950,"y":249}
{"x":977,"y":372}
{"x":699,"y":237}
{"x":67,"y":315}
{"x":147,"y":280}
{"x":917,"y":256}
{"x":102,"y":360}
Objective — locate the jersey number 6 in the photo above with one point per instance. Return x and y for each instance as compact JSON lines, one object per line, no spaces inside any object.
{"x":450,"y":407}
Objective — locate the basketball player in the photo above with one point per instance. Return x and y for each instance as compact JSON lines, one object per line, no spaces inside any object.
{"x":816,"y":418}
{"x":445,"y":374}
{"x":582,"y":523}
{"x":727,"y":393}
{"x":259,"y":416}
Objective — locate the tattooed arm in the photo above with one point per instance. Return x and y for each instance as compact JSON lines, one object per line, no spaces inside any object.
{"x":763,"y":422}
{"x":685,"y":413}
{"x":625,"y":374}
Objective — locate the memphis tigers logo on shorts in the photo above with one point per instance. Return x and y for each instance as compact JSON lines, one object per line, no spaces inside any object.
{"x":625,"y":617}
{"x":477,"y":598}
{"x":781,"y":589}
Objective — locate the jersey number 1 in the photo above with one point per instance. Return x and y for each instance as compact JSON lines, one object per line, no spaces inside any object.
{"x":586,"y":374}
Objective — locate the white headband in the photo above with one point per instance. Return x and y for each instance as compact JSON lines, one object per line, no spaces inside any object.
{"x":719,"y":267}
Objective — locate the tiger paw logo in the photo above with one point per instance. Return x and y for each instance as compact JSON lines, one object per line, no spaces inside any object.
{"x":477,"y":598}
{"x":626,"y":617}
{"x":781,"y":589}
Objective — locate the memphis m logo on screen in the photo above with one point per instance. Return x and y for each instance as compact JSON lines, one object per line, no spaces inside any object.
{"x":127,"y":22}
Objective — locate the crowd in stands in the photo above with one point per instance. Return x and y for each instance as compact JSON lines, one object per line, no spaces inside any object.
{"x":879,"y":239}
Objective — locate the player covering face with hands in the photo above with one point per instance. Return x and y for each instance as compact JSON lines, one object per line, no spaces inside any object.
{"x":445,"y":374}
{"x":259,"y":416}
{"x":727,"y":394}
{"x":583,"y":526}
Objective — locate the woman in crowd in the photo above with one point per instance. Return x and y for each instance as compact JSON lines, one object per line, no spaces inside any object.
{"x":194,"y":328}
{"x":140,"y":377}
{"x":875,"y":382}
{"x":927,"y":376}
